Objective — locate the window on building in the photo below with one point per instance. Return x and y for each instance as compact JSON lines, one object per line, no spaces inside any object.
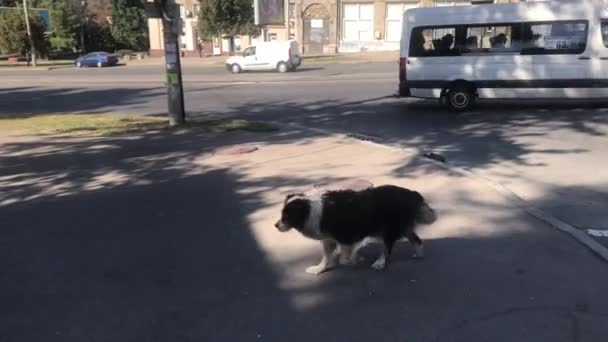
{"x":358,"y":24}
{"x":558,"y":37}
{"x":272,"y":36}
{"x":394,"y":19}
{"x":197,"y":9}
{"x":605,"y":32}
{"x":237,"y":43}
{"x":292,"y":10}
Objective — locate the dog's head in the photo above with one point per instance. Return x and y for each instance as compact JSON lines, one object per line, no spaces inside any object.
{"x":296,"y":209}
{"x":426,"y":214}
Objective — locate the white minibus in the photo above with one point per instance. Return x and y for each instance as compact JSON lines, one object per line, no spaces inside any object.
{"x":547,"y":49}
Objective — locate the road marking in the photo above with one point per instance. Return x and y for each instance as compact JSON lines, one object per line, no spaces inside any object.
{"x":597,"y":232}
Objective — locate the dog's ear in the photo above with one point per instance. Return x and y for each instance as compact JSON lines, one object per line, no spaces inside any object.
{"x":290,"y":196}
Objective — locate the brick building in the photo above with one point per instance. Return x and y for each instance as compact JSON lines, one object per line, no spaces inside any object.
{"x":319,"y":26}
{"x":329,"y":26}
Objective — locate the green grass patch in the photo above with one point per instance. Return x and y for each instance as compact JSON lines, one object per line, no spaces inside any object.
{"x":81,"y":124}
{"x":45,"y":64}
{"x":112,"y":124}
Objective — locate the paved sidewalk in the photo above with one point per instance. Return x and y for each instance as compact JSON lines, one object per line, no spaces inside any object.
{"x":156,"y":238}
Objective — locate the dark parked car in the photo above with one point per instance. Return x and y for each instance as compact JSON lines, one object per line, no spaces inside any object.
{"x":98,"y":59}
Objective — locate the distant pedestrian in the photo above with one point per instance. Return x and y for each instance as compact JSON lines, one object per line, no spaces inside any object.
{"x":199,"y":47}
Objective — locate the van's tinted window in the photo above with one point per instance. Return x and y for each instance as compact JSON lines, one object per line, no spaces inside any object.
{"x":555,"y":37}
{"x":491,"y":39}
{"x":605,"y":32}
{"x":250,"y":51}
{"x":440,"y":41}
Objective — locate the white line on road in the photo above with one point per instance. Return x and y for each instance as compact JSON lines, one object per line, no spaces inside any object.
{"x":597,"y":232}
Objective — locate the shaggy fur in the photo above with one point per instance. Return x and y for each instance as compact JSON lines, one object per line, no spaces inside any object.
{"x":347,"y":217}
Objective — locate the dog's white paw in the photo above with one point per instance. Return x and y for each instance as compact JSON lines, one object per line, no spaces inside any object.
{"x":380,"y":263}
{"x":318,"y":269}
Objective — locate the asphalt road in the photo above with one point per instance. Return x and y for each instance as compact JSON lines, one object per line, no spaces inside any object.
{"x":548,"y":152}
{"x":148,"y":266}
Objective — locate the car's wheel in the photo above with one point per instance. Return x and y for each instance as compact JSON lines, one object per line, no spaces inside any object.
{"x":282,"y":67}
{"x":78,"y":65}
{"x":99,"y":64}
{"x":235,"y":68}
{"x":460,"y":98}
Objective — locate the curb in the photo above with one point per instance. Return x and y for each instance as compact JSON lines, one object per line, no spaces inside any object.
{"x":516,"y":200}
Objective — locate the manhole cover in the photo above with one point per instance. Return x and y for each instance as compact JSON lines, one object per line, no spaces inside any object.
{"x":356,"y":184}
{"x":236,"y":149}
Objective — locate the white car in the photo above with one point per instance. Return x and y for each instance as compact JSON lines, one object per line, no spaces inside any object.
{"x":282,"y":56}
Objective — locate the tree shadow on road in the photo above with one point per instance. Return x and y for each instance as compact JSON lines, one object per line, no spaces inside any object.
{"x":491,"y":134}
{"x":132,"y":238}
{"x":32,"y":101}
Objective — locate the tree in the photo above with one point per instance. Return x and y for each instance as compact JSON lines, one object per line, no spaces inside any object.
{"x":226,"y":18}
{"x":65,"y":17}
{"x":8,"y":3}
{"x":98,"y":37}
{"x":129,"y":24}
{"x":13,"y":33}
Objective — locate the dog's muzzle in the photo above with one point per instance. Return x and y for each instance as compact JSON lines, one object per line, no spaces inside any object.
{"x":281,"y":226}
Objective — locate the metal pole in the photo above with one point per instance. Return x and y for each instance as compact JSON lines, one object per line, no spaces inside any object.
{"x":29,"y":34}
{"x":288,"y":19}
{"x":82,"y":51}
{"x":175,"y":91}
{"x":83,"y":7}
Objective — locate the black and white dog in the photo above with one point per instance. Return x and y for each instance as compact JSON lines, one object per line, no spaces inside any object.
{"x":347,"y":217}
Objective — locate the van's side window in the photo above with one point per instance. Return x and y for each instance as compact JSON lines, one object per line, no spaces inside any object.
{"x":440,"y":41}
{"x":555,"y":37}
{"x":250,"y":51}
{"x":605,"y":32}
{"x":490,"y":39}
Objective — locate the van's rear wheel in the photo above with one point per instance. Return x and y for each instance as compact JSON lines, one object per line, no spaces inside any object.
{"x":460,"y":98}
{"x":282,"y":67}
{"x":235,"y":68}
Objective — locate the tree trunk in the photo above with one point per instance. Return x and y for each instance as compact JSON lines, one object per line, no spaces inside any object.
{"x":231,"y":45}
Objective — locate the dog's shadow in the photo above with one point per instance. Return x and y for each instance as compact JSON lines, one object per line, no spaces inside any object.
{"x":370,"y":250}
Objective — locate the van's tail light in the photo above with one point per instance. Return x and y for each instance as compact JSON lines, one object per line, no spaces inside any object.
{"x":402,"y":69}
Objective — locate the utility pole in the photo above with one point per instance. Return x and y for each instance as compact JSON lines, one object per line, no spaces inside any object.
{"x":29,"y":34}
{"x":83,"y":21}
{"x":171,"y":30}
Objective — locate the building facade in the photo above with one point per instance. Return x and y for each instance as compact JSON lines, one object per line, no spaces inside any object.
{"x":319,"y":26}
{"x":188,"y":39}
{"x":331,"y":26}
